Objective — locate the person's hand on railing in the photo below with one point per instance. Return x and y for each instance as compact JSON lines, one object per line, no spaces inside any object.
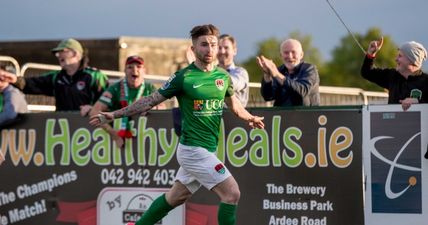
{"x":407,"y":102}
{"x":85,"y":109}
{"x":101,"y":118}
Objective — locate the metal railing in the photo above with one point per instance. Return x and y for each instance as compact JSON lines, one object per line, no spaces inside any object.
{"x":12,"y":61}
{"x":329,"y":95}
{"x":351,"y":96}
{"x":37,"y":103}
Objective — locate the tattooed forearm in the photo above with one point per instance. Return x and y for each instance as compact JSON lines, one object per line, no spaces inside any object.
{"x":142,"y":105}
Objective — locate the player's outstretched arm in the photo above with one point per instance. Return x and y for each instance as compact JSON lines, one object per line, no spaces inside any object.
{"x":142,"y":105}
{"x":235,"y":106}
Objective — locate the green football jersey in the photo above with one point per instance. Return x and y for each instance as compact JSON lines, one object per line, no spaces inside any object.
{"x":201,"y":99}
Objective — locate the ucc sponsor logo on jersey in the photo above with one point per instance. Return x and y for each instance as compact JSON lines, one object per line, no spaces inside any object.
{"x":211,"y":104}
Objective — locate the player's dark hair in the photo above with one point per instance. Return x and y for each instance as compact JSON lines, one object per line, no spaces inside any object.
{"x":202,"y":30}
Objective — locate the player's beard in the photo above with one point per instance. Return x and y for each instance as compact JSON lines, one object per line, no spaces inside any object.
{"x":206,"y":59}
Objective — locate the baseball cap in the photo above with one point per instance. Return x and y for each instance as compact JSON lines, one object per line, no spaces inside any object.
{"x":69,"y":43}
{"x":134,"y":59}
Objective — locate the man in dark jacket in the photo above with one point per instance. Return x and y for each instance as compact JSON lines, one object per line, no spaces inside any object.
{"x":74,"y":87}
{"x":406,"y":84}
{"x":295,"y":83}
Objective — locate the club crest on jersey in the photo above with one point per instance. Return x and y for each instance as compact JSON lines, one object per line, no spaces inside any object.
{"x":220,"y":84}
{"x":80,"y":85}
{"x":220,"y":168}
{"x":198,"y":105}
{"x":416,"y":93}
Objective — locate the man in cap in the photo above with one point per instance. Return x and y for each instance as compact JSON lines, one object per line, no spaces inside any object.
{"x":74,"y":86}
{"x":406,"y":84}
{"x":122,"y":94}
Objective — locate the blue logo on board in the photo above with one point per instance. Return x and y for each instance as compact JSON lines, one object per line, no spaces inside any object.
{"x":396,"y":170}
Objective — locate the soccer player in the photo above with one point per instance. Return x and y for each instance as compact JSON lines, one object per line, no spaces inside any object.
{"x":201,"y":88}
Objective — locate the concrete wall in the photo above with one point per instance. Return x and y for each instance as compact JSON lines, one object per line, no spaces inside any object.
{"x":162,"y":55}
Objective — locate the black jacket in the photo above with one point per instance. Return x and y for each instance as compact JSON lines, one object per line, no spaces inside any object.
{"x":70,"y":92}
{"x":398,"y":87}
{"x":299,"y":88}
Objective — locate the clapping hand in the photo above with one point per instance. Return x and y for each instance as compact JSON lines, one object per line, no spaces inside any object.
{"x":267,"y":65}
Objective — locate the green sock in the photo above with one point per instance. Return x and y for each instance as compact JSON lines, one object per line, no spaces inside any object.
{"x":226,"y":214}
{"x":157,"y":210}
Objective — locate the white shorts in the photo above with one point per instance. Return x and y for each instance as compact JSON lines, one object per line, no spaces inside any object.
{"x":199,"y":167}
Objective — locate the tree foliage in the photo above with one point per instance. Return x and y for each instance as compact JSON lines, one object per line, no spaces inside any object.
{"x":268,"y":48}
{"x":312,"y":54}
{"x":345,"y":65}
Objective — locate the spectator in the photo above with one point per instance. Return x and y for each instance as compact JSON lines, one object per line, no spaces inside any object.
{"x":12,"y":101}
{"x":201,"y":88}
{"x":74,"y":87}
{"x":295,"y":83}
{"x":406,"y":84}
{"x":226,"y":54}
{"x":122,"y":94}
